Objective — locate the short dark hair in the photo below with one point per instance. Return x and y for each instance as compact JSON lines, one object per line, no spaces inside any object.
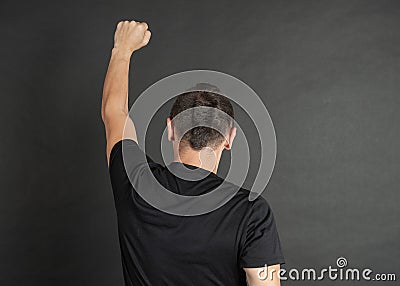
{"x":203,"y":94}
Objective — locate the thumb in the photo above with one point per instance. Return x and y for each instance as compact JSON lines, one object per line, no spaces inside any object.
{"x":146,"y":38}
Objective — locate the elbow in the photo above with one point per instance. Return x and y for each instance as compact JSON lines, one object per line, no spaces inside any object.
{"x":104,"y":112}
{"x":109,"y":110}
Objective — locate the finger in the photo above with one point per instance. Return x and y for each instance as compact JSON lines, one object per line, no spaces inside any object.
{"x":118,"y":29}
{"x":125,"y":25}
{"x":141,"y":28}
{"x":144,"y":25}
{"x":146,"y":37}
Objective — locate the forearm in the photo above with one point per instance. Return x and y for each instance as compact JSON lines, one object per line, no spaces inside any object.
{"x":115,"y":89}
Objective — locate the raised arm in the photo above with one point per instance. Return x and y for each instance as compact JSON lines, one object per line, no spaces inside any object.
{"x":129,"y":37}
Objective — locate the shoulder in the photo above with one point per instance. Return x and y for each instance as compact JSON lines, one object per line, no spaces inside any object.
{"x":128,"y":150}
{"x":252,"y":208}
{"x":258,"y":203}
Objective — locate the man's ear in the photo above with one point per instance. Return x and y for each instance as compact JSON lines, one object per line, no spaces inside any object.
{"x":231,"y":136}
{"x":170,"y":130}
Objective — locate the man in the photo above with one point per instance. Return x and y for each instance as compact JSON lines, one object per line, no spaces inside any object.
{"x":228,"y":246}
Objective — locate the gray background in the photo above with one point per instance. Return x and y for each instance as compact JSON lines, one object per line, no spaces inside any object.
{"x":328,"y":71}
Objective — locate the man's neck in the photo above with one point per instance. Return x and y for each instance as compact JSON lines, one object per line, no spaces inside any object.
{"x":204,"y":159}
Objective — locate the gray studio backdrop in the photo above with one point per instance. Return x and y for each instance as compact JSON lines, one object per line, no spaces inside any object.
{"x":328,"y":72}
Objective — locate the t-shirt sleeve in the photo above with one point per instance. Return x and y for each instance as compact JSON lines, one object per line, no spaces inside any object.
{"x":121,"y":185}
{"x":261,"y":243}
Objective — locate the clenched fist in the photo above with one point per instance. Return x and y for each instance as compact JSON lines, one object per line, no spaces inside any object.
{"x":131,"y":36}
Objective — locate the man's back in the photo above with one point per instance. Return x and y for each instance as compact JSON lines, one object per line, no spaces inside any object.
{"x":227,"y":246}
{"x":210,"y":249}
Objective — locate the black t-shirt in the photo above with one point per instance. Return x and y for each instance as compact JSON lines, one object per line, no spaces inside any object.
{"x":158,"y":248}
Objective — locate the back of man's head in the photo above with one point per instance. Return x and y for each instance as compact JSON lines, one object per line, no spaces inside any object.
{"x":203,"y":94}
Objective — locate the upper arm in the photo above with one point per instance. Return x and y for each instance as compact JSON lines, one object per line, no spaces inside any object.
{"x":260,"y":242}
{"x":118,"y":126}
{"x":263,"y":276}
{"x":261,"y":246}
